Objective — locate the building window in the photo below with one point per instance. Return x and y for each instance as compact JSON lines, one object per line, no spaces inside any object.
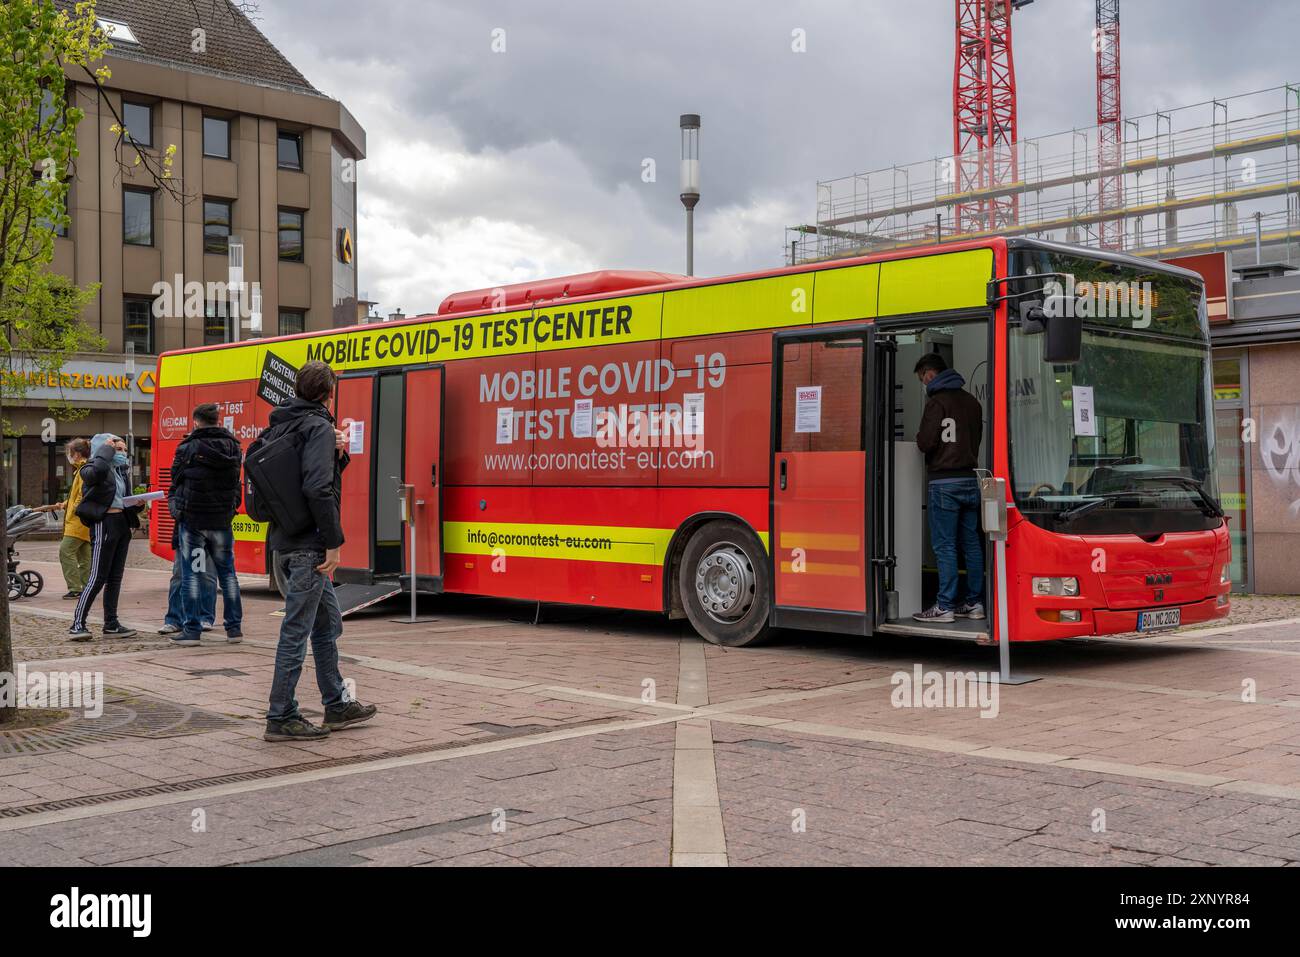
{"x":49,"y":111}
{"x":292,"y":321}
{"x":137,"y":118}
{"x":216,"y":226}
{"x":291,"y":235}
{"x":289,"y":150}
{"x":137,"y":323}
{"x":1231,"y":406}
{"x":61,"y":228}
{"x":216,"y":322}
{"x":137,"y":217}
{"x":216,"y":137}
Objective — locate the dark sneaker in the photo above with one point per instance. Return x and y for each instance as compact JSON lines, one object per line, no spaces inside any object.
{"x":118,"y":631}
{"x":71,"y":595}
{"x":169,"y":630}
{"x":79,"y":634}
{"x":354,"y":712}
{"x":934,"y":613}
{"x":294,"y":729}
{"x":971,"y":609}
{"x":185,"y":640}
{"x":234,"y":636}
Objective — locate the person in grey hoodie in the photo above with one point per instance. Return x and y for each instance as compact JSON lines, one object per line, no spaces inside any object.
{"x":105,"y":480}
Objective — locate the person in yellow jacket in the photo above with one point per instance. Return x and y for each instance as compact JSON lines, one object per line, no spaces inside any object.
{"x":74,"y":550}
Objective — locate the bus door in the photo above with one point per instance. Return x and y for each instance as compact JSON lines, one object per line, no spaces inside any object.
{"x":423,"y":471}
{"x":822,"y":490}
{"x":354,"y":410}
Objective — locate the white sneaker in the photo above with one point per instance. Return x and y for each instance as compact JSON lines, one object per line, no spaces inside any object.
{"x":934,"y":613}
{"x":974,"y":609}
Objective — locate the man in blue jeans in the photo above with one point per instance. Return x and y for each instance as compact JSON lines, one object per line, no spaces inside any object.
{"x":951,"y":427}
{"x":174,"y":620}
{"x":306,"y":557}
{"x":203,"y":498}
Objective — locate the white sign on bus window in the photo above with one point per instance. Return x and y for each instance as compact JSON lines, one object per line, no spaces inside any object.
{"x":1085,"y":415}
{"x":582,"y":418}
{"x":808,"y":408}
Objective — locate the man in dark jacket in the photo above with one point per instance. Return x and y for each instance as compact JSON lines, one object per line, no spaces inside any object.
{"x":951,"y":427}
{"x":306,"y":559}
{"x":203,"y":498}
{"x":105,"y":483}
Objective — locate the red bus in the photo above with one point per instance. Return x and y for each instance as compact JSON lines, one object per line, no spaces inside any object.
{"x":740,"y":450}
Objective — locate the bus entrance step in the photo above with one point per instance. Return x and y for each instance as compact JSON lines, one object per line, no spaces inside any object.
{"x":355,"y":597}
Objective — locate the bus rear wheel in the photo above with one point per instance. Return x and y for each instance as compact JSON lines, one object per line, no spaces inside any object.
{"x":724,"y":585}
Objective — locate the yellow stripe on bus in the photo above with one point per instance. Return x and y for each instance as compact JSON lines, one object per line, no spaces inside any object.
{"x":775,"y":302}
{"x":833,"y":569}
{"x":847,"y":293}
{"x":587,"y":543}
{"x":583,"y":543}
{"x":828,"y":541}
{"x":248,"y":530}
{"x":934,"y":283}
{"x":594,"y":543}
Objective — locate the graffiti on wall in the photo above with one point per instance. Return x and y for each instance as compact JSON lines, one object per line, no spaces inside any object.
{"x":1279,"y":449}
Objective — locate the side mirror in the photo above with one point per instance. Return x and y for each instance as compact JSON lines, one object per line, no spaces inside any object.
{"x":1064,"y":340}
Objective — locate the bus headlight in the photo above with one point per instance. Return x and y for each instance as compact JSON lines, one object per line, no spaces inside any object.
{"x":1225,"y":576}
{"x":1056,"y":587}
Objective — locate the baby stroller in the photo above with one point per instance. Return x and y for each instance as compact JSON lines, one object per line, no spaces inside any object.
{"x":19,"y":521}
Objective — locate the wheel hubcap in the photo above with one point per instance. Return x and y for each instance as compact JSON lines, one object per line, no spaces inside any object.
{"x":724,"y":583}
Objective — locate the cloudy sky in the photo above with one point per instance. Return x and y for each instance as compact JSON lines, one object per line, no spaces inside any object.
{"x":490,"y":166}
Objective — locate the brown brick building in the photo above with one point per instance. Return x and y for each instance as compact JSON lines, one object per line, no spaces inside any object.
{"x":265,"y":161}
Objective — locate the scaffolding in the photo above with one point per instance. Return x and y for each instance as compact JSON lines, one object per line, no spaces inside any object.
{"x":1219,"y":175}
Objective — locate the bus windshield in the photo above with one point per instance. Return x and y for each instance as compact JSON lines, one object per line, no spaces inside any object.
{"x":1121,"y":440}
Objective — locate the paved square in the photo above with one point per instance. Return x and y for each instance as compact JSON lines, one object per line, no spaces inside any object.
{"x":600,"y":738}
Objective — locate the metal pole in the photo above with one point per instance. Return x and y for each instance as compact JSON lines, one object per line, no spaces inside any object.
{"x":410,"y":531}
{"x":690,"y":242}
{"x":1004,"y":643}
{"x":1259,"y":228}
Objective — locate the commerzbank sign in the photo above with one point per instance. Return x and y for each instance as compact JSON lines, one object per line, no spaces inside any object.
{"x":84,"y":380}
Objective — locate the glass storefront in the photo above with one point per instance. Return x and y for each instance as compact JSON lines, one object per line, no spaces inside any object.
{"x":1230,"y":410}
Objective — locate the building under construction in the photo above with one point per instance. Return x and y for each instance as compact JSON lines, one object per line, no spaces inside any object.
{"x":1218,"y":175}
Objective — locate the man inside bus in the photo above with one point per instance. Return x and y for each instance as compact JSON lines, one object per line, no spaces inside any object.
{"x":949,"y":436}
{"x":307,"y":558}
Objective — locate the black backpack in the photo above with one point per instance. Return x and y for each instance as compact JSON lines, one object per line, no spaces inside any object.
{"x":273,"y":480}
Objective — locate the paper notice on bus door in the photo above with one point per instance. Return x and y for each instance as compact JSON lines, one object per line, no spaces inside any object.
{"x":693,"y":413}
{"x":1085,"y":418}
{"x":356,"y":438}
{"x":505,"y":426}
{"x":581,"y":418}
{"x":808,"y":408}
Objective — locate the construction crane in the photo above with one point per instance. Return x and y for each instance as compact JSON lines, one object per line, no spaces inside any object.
{"x":984,"y":116}
{"x":984,"y":123}
{"x":1110,"y":124}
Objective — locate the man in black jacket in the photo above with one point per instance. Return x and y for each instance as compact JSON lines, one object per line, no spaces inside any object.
{"x":105,"y":482}
{"x":203,"y":498}
{"x":306,"y":559}
{"x":950,"y":432}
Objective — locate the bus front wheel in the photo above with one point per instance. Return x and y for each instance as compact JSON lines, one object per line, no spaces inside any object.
{"x":724,"y":585}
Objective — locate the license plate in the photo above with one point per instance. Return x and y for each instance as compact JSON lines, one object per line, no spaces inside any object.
{"x":1160,"y":620}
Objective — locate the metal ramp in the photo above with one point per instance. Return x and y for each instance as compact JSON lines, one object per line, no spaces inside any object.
{"x":354,"y":597}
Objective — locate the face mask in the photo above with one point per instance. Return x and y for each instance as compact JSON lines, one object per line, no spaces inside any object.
{"x":119,"y":458}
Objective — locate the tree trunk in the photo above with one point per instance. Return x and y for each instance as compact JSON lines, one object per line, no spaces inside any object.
{"x":8,"y":710}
